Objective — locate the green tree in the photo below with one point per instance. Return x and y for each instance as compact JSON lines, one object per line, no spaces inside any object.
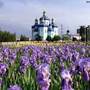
{"x":49,"y":38}
{"x":38,"y":37}
{"x":24,"y":38}
{"x":82,"y":32}
{"x":7,"y":36}
{"x":56,"y":38}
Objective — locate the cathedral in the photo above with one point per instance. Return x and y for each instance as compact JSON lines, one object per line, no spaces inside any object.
{"x":44,"y":27}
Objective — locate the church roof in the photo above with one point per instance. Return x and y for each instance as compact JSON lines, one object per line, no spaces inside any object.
{"x":54,"y":25}
{"x":44,"y":18}
{"x":39,"y":25}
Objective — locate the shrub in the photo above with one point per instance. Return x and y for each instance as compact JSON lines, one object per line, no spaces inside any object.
{"x":49,"y":38}
{"x":66,"y":37}
{"x":56,"y":38}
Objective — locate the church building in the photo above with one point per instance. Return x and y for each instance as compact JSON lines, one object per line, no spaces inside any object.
{"x":44,"y":27}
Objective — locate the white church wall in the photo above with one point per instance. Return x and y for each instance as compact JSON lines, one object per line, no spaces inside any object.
{"x":55,"y":31}
{"x":43,"y":32}
{"x":46,"y":22}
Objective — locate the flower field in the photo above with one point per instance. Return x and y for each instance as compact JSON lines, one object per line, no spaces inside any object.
{"x":35,"y":67}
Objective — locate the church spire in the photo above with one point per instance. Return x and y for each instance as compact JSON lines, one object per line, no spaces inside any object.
{"x":44,"y":13}
{"x":52,"y":21}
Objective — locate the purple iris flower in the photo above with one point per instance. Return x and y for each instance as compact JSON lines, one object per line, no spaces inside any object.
{"x":66,"y":80}
{"x":14,"y":87}
{"x":84,"y":65}
{"x":22,"y":69}
{"x":24,"y":61}
{"x":6,"y":52}
{"x":24,"y":64}
{"x":12,"y":57}
{"x":46,"y":58}
{"x":33,"y":61}
{"x":75,"y":56}
{"x":3,"y":69}
{"x":43,"y":76}
{"x":86,"y":75}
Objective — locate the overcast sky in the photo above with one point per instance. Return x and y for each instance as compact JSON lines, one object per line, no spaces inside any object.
{"x":19,"y":15}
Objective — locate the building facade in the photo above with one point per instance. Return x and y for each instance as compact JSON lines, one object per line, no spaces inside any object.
{"x":44,"y":27}
{"x":84,"y":32}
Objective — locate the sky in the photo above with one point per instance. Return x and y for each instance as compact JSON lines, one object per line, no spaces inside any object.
{"x":18,"y":15}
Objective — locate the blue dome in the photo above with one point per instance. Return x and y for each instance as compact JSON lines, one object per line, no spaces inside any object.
{"x":44,"y":17}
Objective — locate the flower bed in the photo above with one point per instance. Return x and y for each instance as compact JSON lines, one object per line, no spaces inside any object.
{"x":35,"y":67}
